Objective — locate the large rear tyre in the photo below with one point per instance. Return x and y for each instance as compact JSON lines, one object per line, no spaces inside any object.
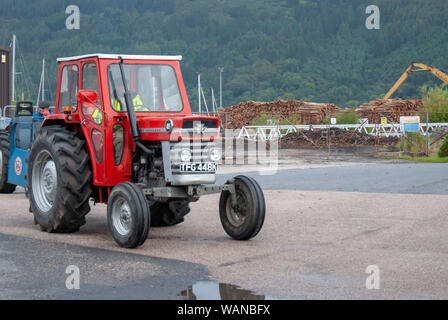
{"x":59,"y":180}
{"x":244,"y":220}
{"x":5,"y":187}
{"x":128,"y":215}
{"x":165,"y":214}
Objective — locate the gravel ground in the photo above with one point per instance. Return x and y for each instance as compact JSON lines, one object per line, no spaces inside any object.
{"x":316,"y":242}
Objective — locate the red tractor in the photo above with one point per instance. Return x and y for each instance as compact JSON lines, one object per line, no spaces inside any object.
{"x":123,"y":134}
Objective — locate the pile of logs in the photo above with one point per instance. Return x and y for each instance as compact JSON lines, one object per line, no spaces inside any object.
{"x":244,"y":113}
{"x":334,"y":137}
{"x":392,"y":109}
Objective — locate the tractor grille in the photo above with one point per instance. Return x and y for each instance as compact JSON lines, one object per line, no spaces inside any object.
{"x":199,"y":151}
{"x":209,"y":124}
{"x":199,"y":154}
{"x":200,"y":127}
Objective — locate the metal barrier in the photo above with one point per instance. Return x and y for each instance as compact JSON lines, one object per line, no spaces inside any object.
{"x":268,"y":133}
{"x":5,"y":110}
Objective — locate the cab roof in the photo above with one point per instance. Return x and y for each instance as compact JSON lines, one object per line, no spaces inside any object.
{"x":117,"y":56}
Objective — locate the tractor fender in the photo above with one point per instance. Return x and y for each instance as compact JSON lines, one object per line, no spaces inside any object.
{"x":60,"y":119}
{"x":72,"y":123}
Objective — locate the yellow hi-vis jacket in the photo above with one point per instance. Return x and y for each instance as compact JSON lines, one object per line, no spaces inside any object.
{"x":97,"y":116}
{"x":137,"y":102}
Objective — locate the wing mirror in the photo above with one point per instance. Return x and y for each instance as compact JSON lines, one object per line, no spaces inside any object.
{"x":88,"y":96}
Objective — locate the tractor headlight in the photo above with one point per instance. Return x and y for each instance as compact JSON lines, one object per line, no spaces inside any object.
{"x":185,"y":155}
{"x":214,"y":154}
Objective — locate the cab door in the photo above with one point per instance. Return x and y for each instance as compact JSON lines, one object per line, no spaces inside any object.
{"x":92,"y":121}
{"x":119,"y":143}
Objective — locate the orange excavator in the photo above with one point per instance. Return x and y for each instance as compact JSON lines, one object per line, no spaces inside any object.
{"x":416,"y":67}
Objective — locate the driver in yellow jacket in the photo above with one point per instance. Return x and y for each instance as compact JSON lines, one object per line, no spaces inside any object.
{"x":117,"y":133}
{"x":137,"y":101}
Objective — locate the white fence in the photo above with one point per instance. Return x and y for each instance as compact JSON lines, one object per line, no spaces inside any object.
{"x":267,"y":133}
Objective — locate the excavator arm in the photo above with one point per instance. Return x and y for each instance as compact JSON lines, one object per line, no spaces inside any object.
{"x":416,"y":67}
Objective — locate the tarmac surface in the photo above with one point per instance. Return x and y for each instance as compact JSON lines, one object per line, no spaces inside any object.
{"x":326,"y":223}
{"x":382,"y":177}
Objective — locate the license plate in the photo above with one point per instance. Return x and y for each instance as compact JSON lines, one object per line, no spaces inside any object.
{"x":199,"y":167}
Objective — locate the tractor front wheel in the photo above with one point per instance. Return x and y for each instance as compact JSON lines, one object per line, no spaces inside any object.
{"x":128,"y":215}
{"x":5,"y":187}
{"x":59,"y":180}
{"x":243,"y":218}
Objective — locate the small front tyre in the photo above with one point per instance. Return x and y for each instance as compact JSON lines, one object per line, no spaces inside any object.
{"x":128,"y":215}
{"x":244,"y":219}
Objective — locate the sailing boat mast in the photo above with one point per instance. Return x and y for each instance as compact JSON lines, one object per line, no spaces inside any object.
{"x":13,"y":75}
{"x":43,"y":79}
{"x":41,"y":92}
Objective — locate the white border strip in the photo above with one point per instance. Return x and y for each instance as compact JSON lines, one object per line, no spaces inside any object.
{"x":116,"y":56}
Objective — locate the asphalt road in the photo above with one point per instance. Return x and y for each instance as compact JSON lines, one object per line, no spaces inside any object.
{"x":400,"y":178}
{"x":36,"y":269}
{"x":325,"y":225}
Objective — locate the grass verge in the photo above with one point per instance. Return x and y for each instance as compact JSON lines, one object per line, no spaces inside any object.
{"x":433,"y":159}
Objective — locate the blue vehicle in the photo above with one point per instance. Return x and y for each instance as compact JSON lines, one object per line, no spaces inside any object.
{"x":16,"y":136}
{"x":4,"y":122}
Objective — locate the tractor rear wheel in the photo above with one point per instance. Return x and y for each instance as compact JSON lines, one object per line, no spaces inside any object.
{"x":128,"y":215}
{"x":244,"y":219}
{"x":59,"y":180}
{"x":5,"y":187}
{"x":165,"y":214}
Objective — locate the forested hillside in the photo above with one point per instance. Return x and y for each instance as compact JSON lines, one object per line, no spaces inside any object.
{"x":292,"y":49}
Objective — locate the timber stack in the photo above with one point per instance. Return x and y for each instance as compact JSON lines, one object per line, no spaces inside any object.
{"x":244,"y":113}
{"x":392,"y":109}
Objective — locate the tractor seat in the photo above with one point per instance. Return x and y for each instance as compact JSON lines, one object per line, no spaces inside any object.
{"x":24,"y":108}
{"x":23,"y":130}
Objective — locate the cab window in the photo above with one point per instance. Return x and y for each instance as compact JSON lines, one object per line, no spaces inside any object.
{"x":68,"y":92}
{"x":90,"y":78}
{"x":153,"y":87}
{"x":91,"y":111}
